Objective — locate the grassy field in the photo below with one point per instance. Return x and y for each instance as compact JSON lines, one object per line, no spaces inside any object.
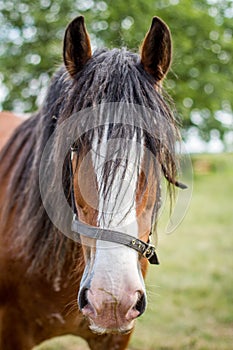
{"x":191,"y":293}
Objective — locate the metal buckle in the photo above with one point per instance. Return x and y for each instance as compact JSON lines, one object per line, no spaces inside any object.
{"x":149,"y":252}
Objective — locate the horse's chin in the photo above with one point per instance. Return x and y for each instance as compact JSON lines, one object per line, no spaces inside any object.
{"x":105,"y":330}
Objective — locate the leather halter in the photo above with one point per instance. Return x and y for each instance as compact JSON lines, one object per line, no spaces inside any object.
{"x":147,"y":250}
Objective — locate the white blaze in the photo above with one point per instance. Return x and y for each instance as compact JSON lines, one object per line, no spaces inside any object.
{"x":117,"y":211}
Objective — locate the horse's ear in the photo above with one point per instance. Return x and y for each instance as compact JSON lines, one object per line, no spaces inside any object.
{"x":77,"y":46}
{"x":156,"y":49}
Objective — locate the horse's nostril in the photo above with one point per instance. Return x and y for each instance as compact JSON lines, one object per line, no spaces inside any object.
{"x":82,"y":298}
{"x":141,"y":304}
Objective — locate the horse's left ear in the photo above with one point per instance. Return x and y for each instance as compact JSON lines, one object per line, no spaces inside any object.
{"x":156,"y":49}
{"x":77,"y":46}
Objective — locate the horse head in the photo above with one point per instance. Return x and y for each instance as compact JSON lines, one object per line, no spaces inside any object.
{"x":116,"y":168}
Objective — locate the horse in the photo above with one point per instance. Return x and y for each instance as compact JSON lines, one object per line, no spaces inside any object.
{"x":79,"y":267}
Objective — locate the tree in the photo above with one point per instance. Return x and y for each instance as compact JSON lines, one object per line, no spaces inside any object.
{"x":201,"y":79}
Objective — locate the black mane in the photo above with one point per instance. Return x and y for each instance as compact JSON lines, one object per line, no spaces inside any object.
{"x":109,"y":76}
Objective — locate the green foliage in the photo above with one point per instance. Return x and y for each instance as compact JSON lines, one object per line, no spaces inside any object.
{"x":201,"y":79}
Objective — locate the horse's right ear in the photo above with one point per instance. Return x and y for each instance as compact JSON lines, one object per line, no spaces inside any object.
{"x":77,"y":46}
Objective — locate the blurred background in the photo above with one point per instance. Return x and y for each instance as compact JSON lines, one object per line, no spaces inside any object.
{"x":201,"y":78}
{"x":191,"y":293}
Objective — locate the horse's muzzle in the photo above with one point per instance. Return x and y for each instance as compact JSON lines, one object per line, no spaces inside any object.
{"x":111,"y":313}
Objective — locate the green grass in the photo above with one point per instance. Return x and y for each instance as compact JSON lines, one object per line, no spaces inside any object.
{"x":191,"y":293}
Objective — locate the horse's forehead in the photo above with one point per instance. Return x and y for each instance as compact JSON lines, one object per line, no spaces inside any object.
{"x":120,"y":153}
{"x":115,"y":163}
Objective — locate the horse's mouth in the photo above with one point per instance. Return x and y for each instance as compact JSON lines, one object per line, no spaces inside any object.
{"x":111,"y":330}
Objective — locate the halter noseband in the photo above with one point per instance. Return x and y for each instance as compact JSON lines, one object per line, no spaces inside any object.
{"x":147,"y":250}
